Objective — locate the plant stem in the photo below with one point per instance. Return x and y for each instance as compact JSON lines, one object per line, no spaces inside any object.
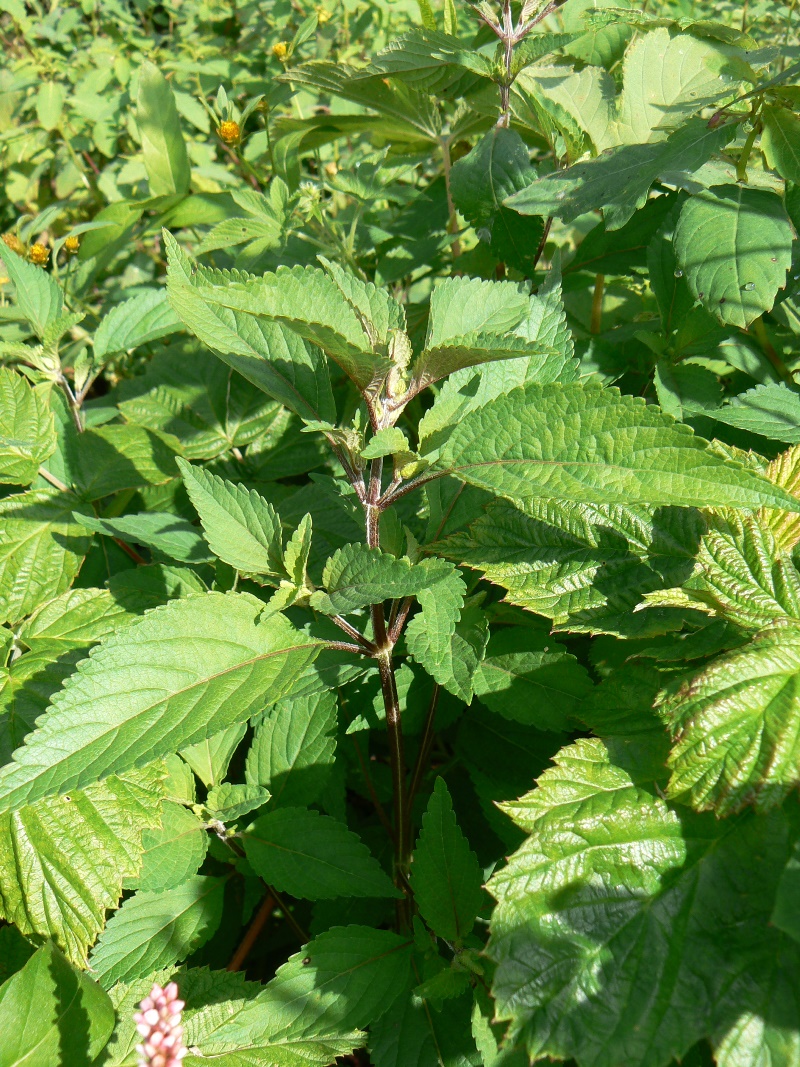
{"x":597,"y":304}
{"x":351,"y":631}
{"x":72,"y":400}
{"x":742,"y":161}
{"x":391,"y":702}
{"x":508,"y":40}
{"x":255,"y":928}
{"x":452,"y":220}
{"x":51,"y":478}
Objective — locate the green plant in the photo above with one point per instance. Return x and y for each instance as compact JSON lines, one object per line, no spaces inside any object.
{"x":399,"y":535}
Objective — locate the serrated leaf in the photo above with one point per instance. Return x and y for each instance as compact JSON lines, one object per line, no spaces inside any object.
{"x":228,"y":802}
{"x":313,"y":856}
{"x":771,"y":410}
{"x":305,"y":299}
{"x":619,"y":180}
{"x":735,"y":727}
{"x":26,"y":687}
{"x":200,"y":400}
{"x":498,"y":166}
{"x":413,"y":1031}
{"x":294,"y":749}
{"x":41,"y":549}
{"x":240,"y":526}
{"x":585,"y":567}
{"x":44,"y":1001}
{"x":63,"y":859}
{"x":742,"y":574}
{"x":153,"y":930}
{"x":114,"y":457}
{"x":586,"y":96}
{"x":38,"y":294}
{"x":210,"y":759}
{"x":268,"y":354}
{"x":172,"y":852}
{"x":159,"y":530}
{"x":27,"y":431}
{"x":343,"y":979}
{"x":137,"y":321}
{"x":451,"y":663}
{"x":163,"y":146}
{"x":586,"y":443}
{"x":448,"y":638}
{"x":356,"y":575}
{"x":445,"y":875}
{"x":529,"y":677}
{"x":181,"y":673}
{"x":78,"y":618}
{"x":784,"y":471}
{"x":734,"y":246}
{"x":603,"y":844}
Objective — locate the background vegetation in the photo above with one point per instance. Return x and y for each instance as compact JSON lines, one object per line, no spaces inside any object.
{"x":359,"y":362}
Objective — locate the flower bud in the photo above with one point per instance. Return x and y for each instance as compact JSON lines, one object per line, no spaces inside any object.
{"x":229,"y":131}
{"x":39,"y":254}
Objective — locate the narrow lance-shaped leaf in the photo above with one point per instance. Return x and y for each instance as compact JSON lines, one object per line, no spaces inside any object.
{"x":269,"y":355}
{"x":153,"y":930}
{"x":445,"y":875}
{"x":586,"y":443}
{"x":345,"y":978}
{"x":240,"y":526}
{"x":163,"y":146}
{"x":183,"y":672}
{"x":313,"y":856}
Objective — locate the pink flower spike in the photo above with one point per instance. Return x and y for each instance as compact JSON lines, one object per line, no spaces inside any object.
{"x":159,"y":1023}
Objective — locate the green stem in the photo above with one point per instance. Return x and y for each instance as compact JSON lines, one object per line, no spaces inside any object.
{"x":758,"y":328}
{"x":744,"y":158}
{"x":597,"y":304}
{"x":452,"y":220}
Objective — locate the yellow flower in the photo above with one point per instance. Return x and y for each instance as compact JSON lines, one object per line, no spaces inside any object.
{"x":323,"y":16}
{"x":72,"y":244}
{"x":39,"y":254}
{"x":229,"y":131}
{"x":13,"y":242}
{"x":280,"y":50}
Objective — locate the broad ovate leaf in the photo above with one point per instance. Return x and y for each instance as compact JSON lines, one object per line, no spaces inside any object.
{"x":734,"y":246}
{"x":27,"y":432}
{"x":736,"y":726}
{"x":63,"y":859}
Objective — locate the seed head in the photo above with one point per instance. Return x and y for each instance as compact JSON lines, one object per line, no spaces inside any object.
{"x":229,"y":131}
{"x":280,"y":50}
{"x":39,"y":254}
{"x":72,"y":244}
{"x":159,"y":1022}
{"x":10,"y":240}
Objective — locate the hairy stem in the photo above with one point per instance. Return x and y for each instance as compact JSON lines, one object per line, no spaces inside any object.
{"x":391,"y":702}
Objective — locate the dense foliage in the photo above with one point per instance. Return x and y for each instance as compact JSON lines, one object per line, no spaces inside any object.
{"x":400,"y":532}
